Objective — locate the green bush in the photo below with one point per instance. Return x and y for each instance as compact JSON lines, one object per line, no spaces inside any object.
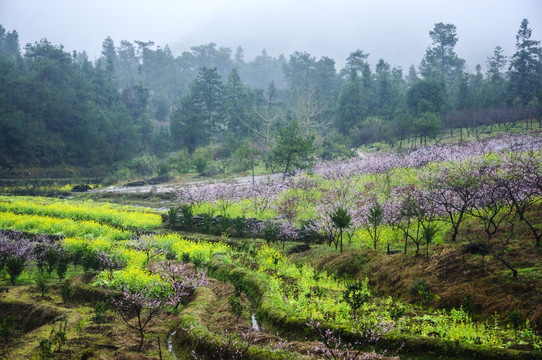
{"x":180,"y":161}
{"x":163,"y":169}
{"x":236,"y":307}
{"x":62,"y":264}
{"x":271,"y":232}
{"x":396,"y":311}
{"x":515,"y":319}
{"x":14,"y":267}
{"x":144,"y":165}
{"x":66,"y":290}
{"x":7,"y":326}
{"x":187,"y":216}
{"x":173,"y":215}
{"x":41,"y":279}
{"x":59,"y":336}
{"x":201,"y":159}
{"x":185,"y":257}
{"x":225,"y":223}
{"x":197,"y":260}
{"x":421,"y":290}
{"x":51,"y":258}
{"x":356,"y":295}
{"x":207,"y":222}
{"x":307,"y":233}
{"x":239,"y":225}
{"x":45,"y":351}
{"x":100,"y":311}
{"x":90,"y":261}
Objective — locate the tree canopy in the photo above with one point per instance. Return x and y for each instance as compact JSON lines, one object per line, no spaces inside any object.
{"x":60,"y":108}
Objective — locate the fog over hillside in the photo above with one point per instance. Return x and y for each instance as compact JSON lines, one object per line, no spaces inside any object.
{"x":396,"y":31}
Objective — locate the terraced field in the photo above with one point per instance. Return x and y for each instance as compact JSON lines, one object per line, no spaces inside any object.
{"x":92,"y":280}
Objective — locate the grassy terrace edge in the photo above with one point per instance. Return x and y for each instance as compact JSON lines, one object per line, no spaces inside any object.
{"x":409,"y":344}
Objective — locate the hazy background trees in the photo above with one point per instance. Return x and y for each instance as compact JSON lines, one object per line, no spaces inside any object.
{"x":58,"y":108}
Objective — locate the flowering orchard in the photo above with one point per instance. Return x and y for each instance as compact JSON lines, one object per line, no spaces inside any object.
{"x":412,"y":198}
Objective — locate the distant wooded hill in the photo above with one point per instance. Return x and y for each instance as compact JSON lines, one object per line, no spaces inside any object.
{"x":58,"y":108}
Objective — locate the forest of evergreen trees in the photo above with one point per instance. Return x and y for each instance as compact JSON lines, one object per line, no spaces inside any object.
{"x":58,"y":108}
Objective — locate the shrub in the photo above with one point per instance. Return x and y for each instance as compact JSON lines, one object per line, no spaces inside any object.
{"x":421,"y":290}
{"x":100,"y":311}
{"x":14,"y":267}
{"x":170,"y":254}
{"x":396,"y":311}
{"x":17,"y":254}
{"x":45,"y":351}
{"x":187,"y":216}
{"x":271,"y":232}
{"x":58,"y":336}
{"x":185,"y":257}
{"x":144,"y":165}
{"x":78,"y":254}
{"x":225,"y":223}
{"x":207,"y":222}
{"x":515,"y":319}
{"x":163,"y":169}
{"x":51,"y":258}
{"x":239,"y":225}
{"x":90,"y":261}
{"x":41,"y":278}
{"x":245,"y":246}
{"x":356,"y":295}
{"x":80,"y":327}
{"x":180,"y":161}
{"x":467,"y":304}
{"x":197,"y":260}
{"x":62,"y":264}
{"x":173,"y":215}
{"x":307,"y":232}
{"x":110,"y":261}
{"x":6,"y":327}
{"x":66,"y":290}
{"x":236,"y":307}
{"x":201,"y":158}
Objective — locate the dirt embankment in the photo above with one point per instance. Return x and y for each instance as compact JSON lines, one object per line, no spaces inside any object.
{"x":485,"y":285}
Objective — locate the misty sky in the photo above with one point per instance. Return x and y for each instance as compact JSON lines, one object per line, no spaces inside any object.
{"x":395,"y":30}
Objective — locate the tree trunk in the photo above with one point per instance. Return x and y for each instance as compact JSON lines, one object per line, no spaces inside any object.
{"x":252,"y":173}
{"x":287,"y":167}
{"x":454,"y":234}
{"x":140,"y":342}
{"x":140,"y":328}
{"x":418,"y":238}
{"x":159,"y":349}
{"x":505,"y":263}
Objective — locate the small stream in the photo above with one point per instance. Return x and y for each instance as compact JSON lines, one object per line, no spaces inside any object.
{"x":170,"y":344}
{"x":255,"y":325}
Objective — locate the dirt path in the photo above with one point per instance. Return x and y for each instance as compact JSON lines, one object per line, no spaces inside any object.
{"x":173,"y":187}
